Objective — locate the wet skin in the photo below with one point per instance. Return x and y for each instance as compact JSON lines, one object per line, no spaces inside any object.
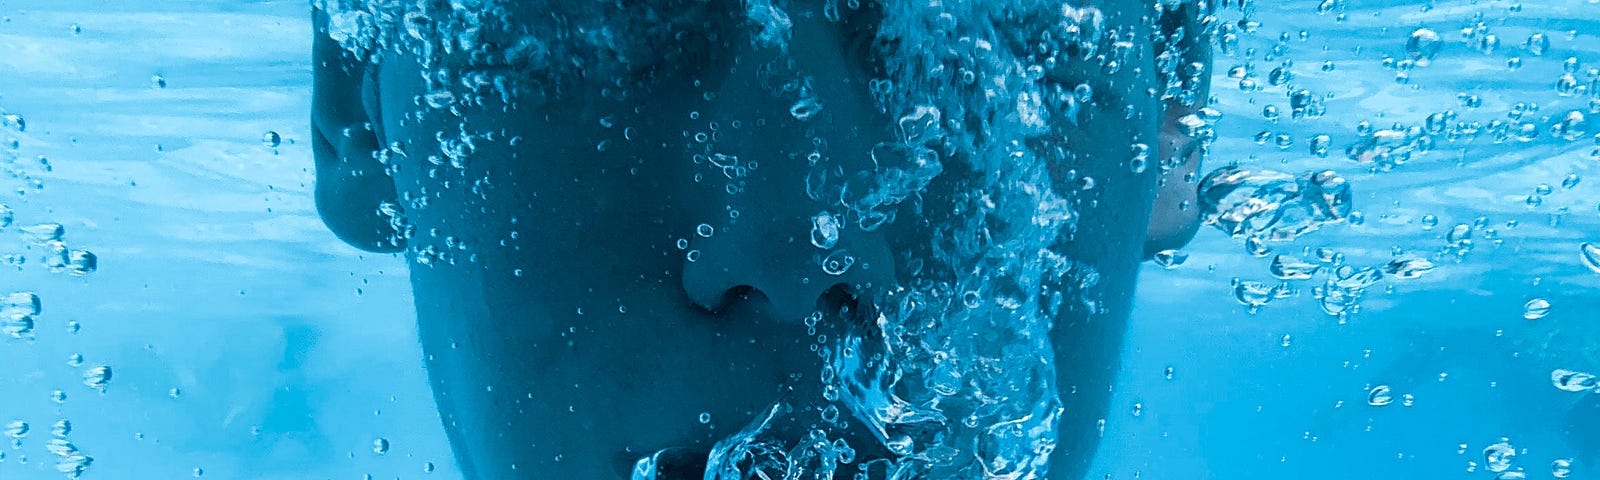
{"x":567,"y":335}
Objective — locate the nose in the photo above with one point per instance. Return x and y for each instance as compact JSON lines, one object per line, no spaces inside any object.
{"x":776,"y":257}
{"x":790,"y":242}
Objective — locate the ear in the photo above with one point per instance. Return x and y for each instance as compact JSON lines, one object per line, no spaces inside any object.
{"x":1175,"y":216}
{"x":351,"y":183}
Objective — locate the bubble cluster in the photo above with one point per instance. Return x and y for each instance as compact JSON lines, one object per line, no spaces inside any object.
{"x":1258,"y":203}
{"x":949,"y":380}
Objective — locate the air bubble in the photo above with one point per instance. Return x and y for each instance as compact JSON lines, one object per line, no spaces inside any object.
{"x":97,"y":377}
{"x":1561,"y":468}
{"x":1284,"y":267}
{"x":805,"y":108}
{"x":1572,"y":381}
{"x":1279,"y":76}
{"x":1084,"y":92}
{"x":17,"y":326}
{"x":1357,"y":278}
{"x":81,"y":262}
{"x":1141,"y":158}
{"x":380,"y":446}
{"x":704,"y":230}
{"x":56,"y":256}
{"x":14,"y":121}
{"x":1252,"y":294}
{"x":1488,"y":43}
{"x":21,"y":303}
{"x":838,"y":262}
{"x":44,"y":232}
{"x":1170,"y":259}
{"x":1537,"y":44}
{"x":919,"y":125}
{"x":1320,"y":144}
{"x":1408,"y":268}
{"x":271,"y":139}
{"x":1423,"y":45}
{"x":824,"y":230}
{"x":1379,"y":396}
{"x":1536,"y":309}
{"x":1460,"y":236}
{"x":1497,"y":457}
{"x":1257,"y":246}
{"x":1589,"y":255}
{"x":17,"y":429}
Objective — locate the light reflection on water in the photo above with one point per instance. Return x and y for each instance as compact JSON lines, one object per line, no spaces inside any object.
{"x":247,"y":342}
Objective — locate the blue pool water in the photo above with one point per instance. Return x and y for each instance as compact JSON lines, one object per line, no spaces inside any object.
{"x":245,"y":341}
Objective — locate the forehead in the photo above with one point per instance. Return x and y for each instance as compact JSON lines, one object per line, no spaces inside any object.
{"x":564,"y":37}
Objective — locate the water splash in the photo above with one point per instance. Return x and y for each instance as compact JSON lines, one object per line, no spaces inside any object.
{"x":955,"y":376}
{"x":759,"y":452}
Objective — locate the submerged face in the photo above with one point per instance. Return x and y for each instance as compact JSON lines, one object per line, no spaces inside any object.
{"x":621,"y":254}
{"x":602,"y":276}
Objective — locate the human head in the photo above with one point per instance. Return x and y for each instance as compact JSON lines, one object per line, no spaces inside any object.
{"x":603,"y":249}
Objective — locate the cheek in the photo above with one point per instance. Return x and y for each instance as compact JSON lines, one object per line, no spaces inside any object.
{"x":1179,"y":150}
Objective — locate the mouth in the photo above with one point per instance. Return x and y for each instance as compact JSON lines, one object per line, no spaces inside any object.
{"x":675,"y":463}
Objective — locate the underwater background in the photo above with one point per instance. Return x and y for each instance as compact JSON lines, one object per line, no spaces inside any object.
{"x":174,"y":308}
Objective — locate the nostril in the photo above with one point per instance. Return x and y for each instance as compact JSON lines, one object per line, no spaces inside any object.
{"x":846,"y":303}
{"x":709,"y":287}
{"x":789,"y":292}
{"x":730,"y":295}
